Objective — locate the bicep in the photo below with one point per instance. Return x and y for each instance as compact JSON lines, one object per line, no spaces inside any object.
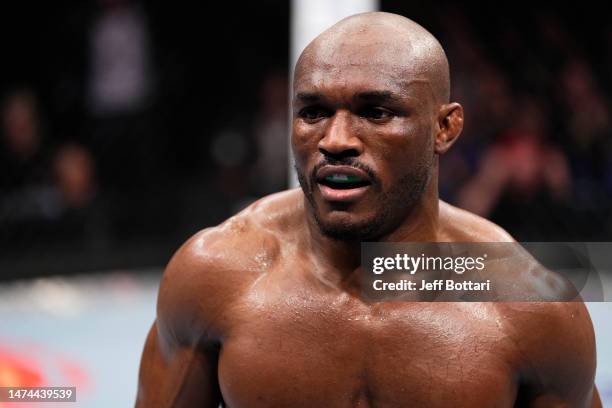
{"x":560,"y":356}
{"x":177,"y":376}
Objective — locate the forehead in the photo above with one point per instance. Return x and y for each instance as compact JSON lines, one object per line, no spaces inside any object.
{"x":358,"y":63}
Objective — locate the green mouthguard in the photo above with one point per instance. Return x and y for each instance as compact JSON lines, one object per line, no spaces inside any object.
{"x":342,"y":178}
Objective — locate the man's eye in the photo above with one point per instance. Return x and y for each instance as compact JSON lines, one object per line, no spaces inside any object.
{"x":313,"y":113}
{"x":376,"y":114}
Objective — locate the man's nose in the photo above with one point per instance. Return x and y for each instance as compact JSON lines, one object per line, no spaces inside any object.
{"x":339,"y":139}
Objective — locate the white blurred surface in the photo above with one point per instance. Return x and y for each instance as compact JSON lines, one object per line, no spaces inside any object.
{"x":97,"y":324}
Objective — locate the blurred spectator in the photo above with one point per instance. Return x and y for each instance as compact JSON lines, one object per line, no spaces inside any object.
{"x":25,"y":185}
{"x":555,"y":41}
{"x":119,"y":80}
{"x":588,"y":121}
{"x":229,"y":150}
{"x":75,"y":176}
{"x":23,"y":159}
{"x":587,"y":124}
{"x":84,"y":215}
{"x":41,"y":191}
{"x":270,"y":171}
{"x":121,"y":95}
{"x":487,"y":116}
{"x":588,"y":110}
{"x":252,"y":159}
{"x":521,"y":176}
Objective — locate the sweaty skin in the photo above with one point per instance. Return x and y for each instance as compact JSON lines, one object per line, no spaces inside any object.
{"x":264,"y":310}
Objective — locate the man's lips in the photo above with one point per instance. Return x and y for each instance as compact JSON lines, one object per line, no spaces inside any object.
{"x":342,"y":183}
{"x":342,"y":196}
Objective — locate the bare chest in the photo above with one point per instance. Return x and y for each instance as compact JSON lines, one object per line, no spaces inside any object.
{"x":291,"y":349}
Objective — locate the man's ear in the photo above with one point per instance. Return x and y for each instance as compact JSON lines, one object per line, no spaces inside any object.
{"x":450,"y":124}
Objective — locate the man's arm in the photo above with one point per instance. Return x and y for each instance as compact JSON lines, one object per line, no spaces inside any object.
{"x":179,"y":361}
{"x":180,"y":376}
{"x":596,"y":400}
{"x":557,"y":343}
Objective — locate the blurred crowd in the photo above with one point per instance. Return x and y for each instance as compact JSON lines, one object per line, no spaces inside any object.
{"x":128,"y":126}
{"x":536,"y":151}
{"x":143,"y":124}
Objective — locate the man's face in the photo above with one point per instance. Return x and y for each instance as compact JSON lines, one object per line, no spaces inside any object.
{"x":362,"y":138}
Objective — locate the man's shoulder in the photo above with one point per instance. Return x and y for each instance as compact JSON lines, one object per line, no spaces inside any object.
{"x":463,"y":226}
{"x":528,"y":322}
{"x":215,"y":266}
{"x":237,"y":244}
{"x":517,"y":275}
{"x":278,"y":213}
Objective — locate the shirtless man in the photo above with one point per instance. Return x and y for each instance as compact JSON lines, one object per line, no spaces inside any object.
{"x":264,"y":310}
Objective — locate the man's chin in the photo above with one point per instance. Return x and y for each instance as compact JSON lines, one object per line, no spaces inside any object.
{"x":344,"y":229}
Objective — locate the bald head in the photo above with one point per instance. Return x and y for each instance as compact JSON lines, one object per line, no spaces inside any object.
{"x":384,"y":43}
{"x":371,"y":93}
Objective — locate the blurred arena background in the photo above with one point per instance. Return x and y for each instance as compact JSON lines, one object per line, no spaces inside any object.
{"x":128,"y":126}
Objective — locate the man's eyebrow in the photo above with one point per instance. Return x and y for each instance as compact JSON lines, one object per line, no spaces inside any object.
{"x":308,"y":97}
{"x":378,"y":96}
{"x":367,"y":96}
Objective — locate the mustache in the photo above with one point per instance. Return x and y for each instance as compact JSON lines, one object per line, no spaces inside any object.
{"x":347,"y":161}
